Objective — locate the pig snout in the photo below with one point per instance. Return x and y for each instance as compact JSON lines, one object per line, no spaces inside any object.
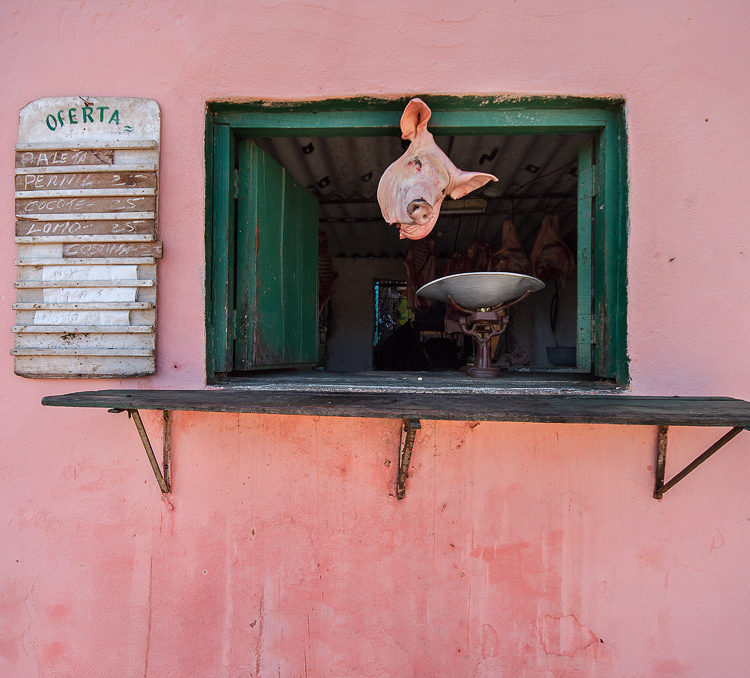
{"x":420,"y":211}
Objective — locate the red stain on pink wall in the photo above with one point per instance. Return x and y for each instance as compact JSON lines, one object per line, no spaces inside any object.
{"x":564,"y":636}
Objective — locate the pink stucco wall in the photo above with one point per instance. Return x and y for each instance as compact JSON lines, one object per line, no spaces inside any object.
{"x":521,"y":550}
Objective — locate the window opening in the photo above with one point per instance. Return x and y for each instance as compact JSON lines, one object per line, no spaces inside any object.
{"x":391,"y":310}
{"x":538,"y":184}
{"x":318,"y":177}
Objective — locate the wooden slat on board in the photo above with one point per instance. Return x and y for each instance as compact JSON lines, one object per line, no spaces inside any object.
{"x":89,"y":216}
{"x":82,"y":225}
{"x":63,"y":157}
{"x":63,"y":169}
{"x":47,"y":181}
{"x":89,"y":367}
{"x":87,"y":144}
{"x":92,"y":343}
{"x":40,"y":239}
{"x":25,"y":207}
{"x":85,"y":193}
{"x":84,"y":351}
{"x":82,"y":306}
{"x":113,"y":249}
{"x":93,"y":261}
{"x":82,"y":329}
{"x":37,"y":284}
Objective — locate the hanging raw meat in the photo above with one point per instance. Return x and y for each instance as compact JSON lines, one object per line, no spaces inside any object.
{"x":458,"y":263}
{"x":551,"y":259}
{"x":479,"y":253}
{"x":326,"y":273}
{"x":511,"y":257}
{"x":420,"y":269}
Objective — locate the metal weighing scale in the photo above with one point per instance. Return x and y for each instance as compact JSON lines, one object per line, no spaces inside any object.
{"x":481,"y":301}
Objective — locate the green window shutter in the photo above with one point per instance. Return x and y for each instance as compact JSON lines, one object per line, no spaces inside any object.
{"x":609,"y":252}
{"x":220,"y":245}
{"x":276,"y":283}
{"x":586,"y":193}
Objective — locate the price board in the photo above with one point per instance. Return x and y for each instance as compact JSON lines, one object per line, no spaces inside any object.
{"x":86,"y":205}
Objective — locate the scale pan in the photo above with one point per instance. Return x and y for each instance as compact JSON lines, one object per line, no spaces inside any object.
{"x":480,"y":290}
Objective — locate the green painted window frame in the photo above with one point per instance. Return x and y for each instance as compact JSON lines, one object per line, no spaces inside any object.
{"x":607,"y":179}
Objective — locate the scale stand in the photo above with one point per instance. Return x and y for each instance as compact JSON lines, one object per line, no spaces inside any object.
{"x":483,"y":325}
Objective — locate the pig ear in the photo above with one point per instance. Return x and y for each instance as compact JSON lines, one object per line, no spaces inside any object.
{"x":466,"y":182}
{"x":415,"y":117}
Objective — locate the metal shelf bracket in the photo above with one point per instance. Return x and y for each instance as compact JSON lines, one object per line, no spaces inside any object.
{"x":660,"y":487}
{"x":404,"y":455}
{"x":163,"y":478}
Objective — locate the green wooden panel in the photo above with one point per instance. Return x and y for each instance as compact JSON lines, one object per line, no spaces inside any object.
{"x":586,"y":192}
{"x":619,"y":243}
{"x":267,"y":321}
{"x":208,"y":244}
{"x":300,"y":274}
{"x":379,"y":123}
{"x":436,"y":102}
{"x":244,"y":303}
{"x":277,"y":258}
{"x":600,"y":324}
{"x":291,"y":262}
{"x":220,"y":291}
{"x":610,"y":258}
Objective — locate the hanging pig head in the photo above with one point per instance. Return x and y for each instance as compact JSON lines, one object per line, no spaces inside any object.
{"x":412,"y":189}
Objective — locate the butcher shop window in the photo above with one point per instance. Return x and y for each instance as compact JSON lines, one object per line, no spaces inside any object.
{"x":304,"y":273}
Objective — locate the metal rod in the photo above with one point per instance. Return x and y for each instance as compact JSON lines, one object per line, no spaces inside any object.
{"x":410,"y":426}
{"x":698,"y":461}
{"x":149,"y":450}
{"x":661,"y":461}
{"x":167,"y":447}
{"x":506,"y":197}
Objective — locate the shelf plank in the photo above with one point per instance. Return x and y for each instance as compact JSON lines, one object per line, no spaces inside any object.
{"x":583,"y":409}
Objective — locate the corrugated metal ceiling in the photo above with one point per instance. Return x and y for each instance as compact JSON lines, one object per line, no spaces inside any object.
{"x":537,"y":176}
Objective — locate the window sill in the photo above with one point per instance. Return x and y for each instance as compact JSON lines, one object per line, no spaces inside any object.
{"x":512,"y":383}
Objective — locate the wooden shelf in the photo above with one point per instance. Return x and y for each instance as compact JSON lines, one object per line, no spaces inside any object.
{"x":554,"y":409}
